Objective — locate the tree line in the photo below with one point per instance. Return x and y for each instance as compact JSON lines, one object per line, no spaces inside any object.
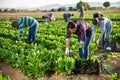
{"x":85,"y":4}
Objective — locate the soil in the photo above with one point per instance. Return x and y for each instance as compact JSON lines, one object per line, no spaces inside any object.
{"x":14,"y":74}
{"x":8,"y":15}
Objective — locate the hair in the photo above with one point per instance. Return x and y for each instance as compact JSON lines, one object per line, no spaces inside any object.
{"x":14,"y":24}
{"x":71,"y":25}
{"x":95,"y":21}
{"x":96,"y":15}
{"x":101,"y":14}
{"x":75,"y":21}
{"x":43,"y":17}
{"x":72,"y":14}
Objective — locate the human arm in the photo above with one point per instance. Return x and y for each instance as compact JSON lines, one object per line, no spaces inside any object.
{"x":21,"y":25}
{"x":94,"y":32}
{"x":67,"y":42}
{"x":21,"y":33}
{"x":67,"y":47}
{"x":102,"y":28}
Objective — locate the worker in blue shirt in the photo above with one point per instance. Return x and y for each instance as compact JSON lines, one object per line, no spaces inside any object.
{"x":67,"y":16}
{"x":105,"y":25}
{"x":24,"y":22}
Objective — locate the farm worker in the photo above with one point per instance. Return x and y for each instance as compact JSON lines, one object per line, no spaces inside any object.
{"x":22,"y":23}
{"x":49,"y":16}
{"x":105,"y":27}
{"x":84,"y":33}
{"x":81,"y":10}
{"x":67,"y":16}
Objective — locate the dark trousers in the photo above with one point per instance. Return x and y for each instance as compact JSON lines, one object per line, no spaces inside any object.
{"x":84,"y":51}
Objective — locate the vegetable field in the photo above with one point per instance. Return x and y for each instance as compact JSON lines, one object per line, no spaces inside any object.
{"x":47,"y":55}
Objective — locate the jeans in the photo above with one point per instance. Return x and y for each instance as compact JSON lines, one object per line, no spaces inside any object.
{"x":108,"y":32}
{"x":32,"y":33}
{"x":84,"y":51}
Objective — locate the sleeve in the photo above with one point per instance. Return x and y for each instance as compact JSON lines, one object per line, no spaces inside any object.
{"x":21,"y":31}
{"x":94,"y":29}
{"x":102,"y":26}
{"x":68,"y":35}
{"x":21,"y":25}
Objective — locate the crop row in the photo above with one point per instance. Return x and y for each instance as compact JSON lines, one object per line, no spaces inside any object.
{"x":47,"y":54}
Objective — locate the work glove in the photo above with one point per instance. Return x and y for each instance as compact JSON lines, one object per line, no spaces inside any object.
{"x":67,"y":51}
{"x":81,"y":42}
{"x":97,"y":42}
{"x":108,"y":48}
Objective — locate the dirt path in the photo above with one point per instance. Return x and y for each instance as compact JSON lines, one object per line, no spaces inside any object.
{"x":14,"y":74}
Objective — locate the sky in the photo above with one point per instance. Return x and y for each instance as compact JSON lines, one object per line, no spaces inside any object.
{"x":39,"y":3}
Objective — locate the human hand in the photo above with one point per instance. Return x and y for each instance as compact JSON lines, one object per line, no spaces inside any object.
{"x":67,"y":51}
{"x":81,"y":43}
{"x":100,"y":36}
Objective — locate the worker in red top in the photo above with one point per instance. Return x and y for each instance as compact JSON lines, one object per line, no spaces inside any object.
{"x":84,"y":33}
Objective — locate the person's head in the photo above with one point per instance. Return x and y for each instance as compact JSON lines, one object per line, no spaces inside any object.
{"x":72,"y":26}
{"x":101,"y":16}
{"x":15,"y":24}
{"x":95,"y":21}
{"x":43,"y":17}
{"x":96,"y":15}
{"x":81,"y":3}
{"x":72,"y":14}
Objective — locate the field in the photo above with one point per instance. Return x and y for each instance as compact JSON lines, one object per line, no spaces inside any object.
{"x":46,"y":59}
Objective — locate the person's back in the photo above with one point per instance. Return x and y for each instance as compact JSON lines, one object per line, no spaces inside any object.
{"x":105,"y":25}
{"x":49,"y":16}
{"x":26,"y":21}
{"x":67,"y":16}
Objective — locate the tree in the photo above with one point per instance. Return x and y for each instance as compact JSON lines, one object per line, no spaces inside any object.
{"x":5,"y":10}
{"x":61,"y":9}
{"x":0,"y":10}
{"x":70,"y":8}
{"x":13,"y":10}
{"x":53,"y":10}
{"x":106,"y":4}
{"x":85,"y":4}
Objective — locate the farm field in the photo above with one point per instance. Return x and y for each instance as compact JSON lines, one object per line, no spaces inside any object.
{"x":46,"y":59}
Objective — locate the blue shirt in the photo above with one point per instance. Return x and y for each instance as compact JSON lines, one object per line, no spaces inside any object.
{"x":67,"y":14}
{"x":103,"y":24}
{"x":24,"y":22}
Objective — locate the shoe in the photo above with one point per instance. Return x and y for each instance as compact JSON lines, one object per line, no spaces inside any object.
{"x":108,"y":48}
{"x":27,"y":41}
